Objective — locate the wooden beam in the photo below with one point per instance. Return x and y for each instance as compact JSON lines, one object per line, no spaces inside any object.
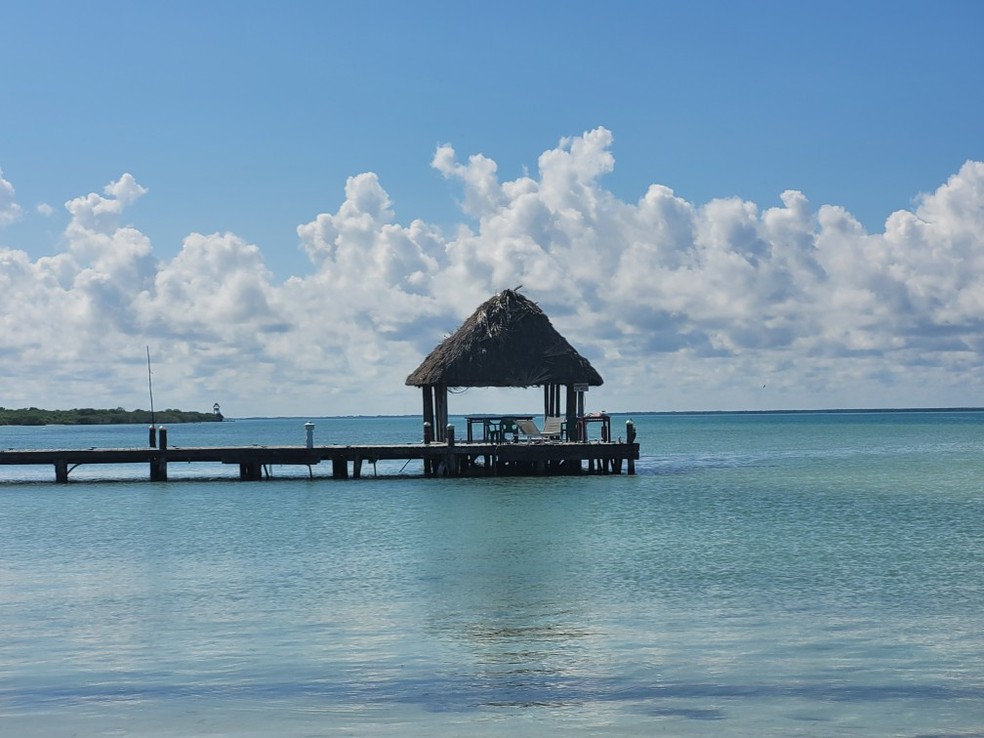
{"x":573,"y":433}
{"x":428,"y":393}
{"x":440,"y":412}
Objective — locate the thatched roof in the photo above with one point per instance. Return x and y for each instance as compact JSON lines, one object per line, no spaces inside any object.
{"x":507,"y":342}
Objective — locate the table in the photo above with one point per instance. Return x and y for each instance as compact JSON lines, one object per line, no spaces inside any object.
{"x":585,"y":420}
{"x":493,"y":426}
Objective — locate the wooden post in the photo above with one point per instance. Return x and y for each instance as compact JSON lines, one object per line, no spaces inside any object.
{"x":630,"y":436}
{"x":158,"y":468}
{"x":339,"y":468}
{"x":428,"y":438}
{"x":451,"y":458}
{"x":438,"y":427}
{"x":61,"y":471}
{"x":552,"y":401}
{"x":251,"y":471}
{"x":440,"y":412}
{"x":158,"y":465}
{"x":572,"y":429}
{"x":428,"y":393}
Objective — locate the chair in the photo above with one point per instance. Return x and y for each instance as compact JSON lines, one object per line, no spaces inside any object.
{"x":528,"y":428}
{"x":507,"y":426}
{"x":553,"y":429}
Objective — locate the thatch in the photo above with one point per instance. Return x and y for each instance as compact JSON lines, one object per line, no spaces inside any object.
{"x":507,"y":342}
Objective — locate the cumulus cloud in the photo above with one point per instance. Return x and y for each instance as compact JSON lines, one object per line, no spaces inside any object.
{"x":680,"y":305}
{"x":9,"y":209}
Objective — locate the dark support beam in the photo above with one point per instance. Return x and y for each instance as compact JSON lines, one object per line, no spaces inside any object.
{"x":429,"y":424}
{"x":158,"y":464}
{"x":440,"y":412}
{"x":555,"y":408}
{"x":630,"y":436}
{"x":158,"y":470}
{"x":571,"y":413}
{"x":61,"y":471}
{"x":428,"y":393}
{"x":248,"y":472}
{"x":438,"y":426}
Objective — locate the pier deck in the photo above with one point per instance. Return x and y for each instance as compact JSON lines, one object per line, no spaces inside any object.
{"x":439,"y":459}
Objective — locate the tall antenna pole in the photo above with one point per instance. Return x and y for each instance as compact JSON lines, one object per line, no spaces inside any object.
{"x":150,"y":386}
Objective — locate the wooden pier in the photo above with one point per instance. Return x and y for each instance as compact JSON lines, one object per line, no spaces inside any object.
{"x":507,"y":342}
{"x":439,"y":459}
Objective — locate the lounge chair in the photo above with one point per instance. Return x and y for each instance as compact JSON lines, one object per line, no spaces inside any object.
{"x":552,"y":429}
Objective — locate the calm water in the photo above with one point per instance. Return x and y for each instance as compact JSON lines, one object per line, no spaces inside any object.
{"x":797,"y":575}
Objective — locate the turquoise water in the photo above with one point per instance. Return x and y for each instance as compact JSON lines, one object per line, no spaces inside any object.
{"x":789,"y":575}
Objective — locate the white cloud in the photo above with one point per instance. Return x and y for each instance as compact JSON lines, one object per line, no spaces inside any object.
{"x":97,"y":213}
{"x":678,"y":304}
{"x":9,"y":209}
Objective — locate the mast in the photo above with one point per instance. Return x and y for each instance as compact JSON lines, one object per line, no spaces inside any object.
{"x":150,"y":386}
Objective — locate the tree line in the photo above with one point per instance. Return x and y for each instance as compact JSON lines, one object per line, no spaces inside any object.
{"x":93,"y":416}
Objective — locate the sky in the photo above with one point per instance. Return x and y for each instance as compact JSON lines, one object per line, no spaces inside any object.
{"x":723,"y":206}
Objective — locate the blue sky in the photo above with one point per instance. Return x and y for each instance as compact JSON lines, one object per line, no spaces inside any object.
{"x":244,"y":121}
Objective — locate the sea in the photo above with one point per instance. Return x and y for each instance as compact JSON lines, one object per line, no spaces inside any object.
{"x":800,"y":574}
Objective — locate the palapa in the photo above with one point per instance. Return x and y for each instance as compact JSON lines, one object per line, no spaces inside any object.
{"x":507,"y":342}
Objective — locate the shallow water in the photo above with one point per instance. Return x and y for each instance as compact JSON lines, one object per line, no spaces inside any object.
{"x":793,"y":575}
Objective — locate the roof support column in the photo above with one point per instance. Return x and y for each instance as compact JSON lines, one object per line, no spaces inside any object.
{"x":428,"y":393}
{"x":573,"y":431}
{"x":440,"y":413}
{"x":551,"y":400}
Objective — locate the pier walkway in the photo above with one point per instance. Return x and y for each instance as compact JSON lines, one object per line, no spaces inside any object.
{"x":439,"y":459}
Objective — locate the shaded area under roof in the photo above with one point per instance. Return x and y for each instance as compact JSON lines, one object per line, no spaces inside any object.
{"x":507,"y":342}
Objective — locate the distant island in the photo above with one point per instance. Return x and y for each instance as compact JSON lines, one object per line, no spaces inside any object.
{"x":92,"y":416}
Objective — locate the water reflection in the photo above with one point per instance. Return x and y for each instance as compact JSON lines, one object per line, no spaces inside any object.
{"x":500,"y":594}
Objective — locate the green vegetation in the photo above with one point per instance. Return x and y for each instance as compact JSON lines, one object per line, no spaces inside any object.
{"x":90,"y":416}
